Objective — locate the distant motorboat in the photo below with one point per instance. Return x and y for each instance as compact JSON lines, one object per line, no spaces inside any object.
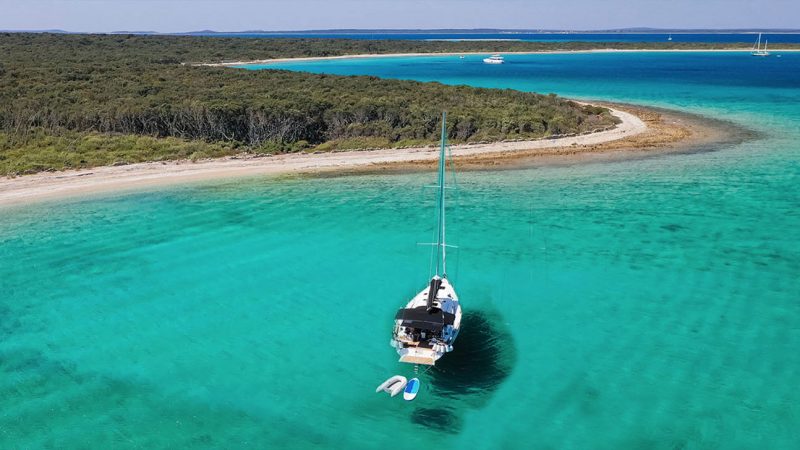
{"x":757,"y":50}
{"x":494,"y":59}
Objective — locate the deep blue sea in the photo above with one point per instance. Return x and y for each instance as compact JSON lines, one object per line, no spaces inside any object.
{"x":651,"y":303}
{"x":774,"y":38}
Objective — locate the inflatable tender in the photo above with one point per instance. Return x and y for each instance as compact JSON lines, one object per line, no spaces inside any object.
{"x":393,"y":385}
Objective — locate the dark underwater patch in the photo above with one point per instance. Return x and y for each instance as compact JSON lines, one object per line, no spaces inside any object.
{"x":8,"y":323}
{"x":673,"y":227}
{"x":439,"y":419}
{"x":483,"y":358}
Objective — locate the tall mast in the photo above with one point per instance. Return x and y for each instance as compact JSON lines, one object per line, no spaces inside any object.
{"x":441,"y":254}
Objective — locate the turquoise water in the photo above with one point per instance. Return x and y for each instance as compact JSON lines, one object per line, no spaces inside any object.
{"x":650,"y":303}
{"x":774,"y":38}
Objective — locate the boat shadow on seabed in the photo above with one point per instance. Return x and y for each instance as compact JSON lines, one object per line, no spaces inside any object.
{"x":483,"y":357}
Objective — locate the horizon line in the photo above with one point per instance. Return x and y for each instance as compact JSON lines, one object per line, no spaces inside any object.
{"x":627,"y":30}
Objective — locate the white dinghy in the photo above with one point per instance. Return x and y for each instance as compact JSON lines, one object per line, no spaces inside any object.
{"x":393,"y":385}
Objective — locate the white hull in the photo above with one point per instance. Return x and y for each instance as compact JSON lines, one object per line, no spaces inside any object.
{"x":494,"y":59}
{"x":416,"y":345}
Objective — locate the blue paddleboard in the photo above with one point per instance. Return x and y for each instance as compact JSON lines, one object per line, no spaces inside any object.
{"x":410,"y":392}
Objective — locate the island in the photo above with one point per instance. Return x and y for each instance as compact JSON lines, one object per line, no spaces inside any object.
{"x":145,"y":107}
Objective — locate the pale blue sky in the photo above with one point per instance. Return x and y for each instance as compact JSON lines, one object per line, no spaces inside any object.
{"x":233,"y":15}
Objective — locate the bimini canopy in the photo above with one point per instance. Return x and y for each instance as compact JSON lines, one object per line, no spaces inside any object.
{"x":421,"y":319}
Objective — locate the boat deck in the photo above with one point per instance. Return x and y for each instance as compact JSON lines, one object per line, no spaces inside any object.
{"x":415,"y":359}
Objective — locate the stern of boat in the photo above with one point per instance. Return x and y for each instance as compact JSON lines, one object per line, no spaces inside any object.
{"x":423,"y":356}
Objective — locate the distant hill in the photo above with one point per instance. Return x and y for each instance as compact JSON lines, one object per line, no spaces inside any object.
{"x":635,"y":30}
{"x":135,"y":32}
{"x":35,"y":31}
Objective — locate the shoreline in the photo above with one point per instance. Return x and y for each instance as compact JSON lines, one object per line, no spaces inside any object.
{"x":540,"y":52}
{"x":79,"y":182}
{"x":667,"y":132}
{"x":642,"y":131}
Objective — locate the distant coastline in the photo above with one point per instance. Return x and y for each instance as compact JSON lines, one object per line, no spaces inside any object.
{"x":333,"y":32}
{"x":544,"y":52}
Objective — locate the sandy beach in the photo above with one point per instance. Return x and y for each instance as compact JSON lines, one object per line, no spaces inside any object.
{"x":554,"y":52}
{"x":641,"y":130}
{"x":665,"y":132}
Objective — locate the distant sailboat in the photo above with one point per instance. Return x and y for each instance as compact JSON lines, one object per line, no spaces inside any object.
{"x":757,"y":51}
{"x":669,"y":38}
{"x":425,"y":329}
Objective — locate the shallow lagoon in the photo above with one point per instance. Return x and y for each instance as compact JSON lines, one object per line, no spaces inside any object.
{"x":650,"y":303}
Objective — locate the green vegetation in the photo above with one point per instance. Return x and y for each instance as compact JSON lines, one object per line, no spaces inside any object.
{"x":69,"y":101}
{"x":38,"y":151}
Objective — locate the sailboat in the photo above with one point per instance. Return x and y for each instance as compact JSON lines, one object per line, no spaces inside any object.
{"x":669,"y":38}
{"x":757,"y":51}
{"x":425,"y":329}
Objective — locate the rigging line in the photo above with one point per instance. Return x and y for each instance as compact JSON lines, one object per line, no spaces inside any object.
{"x":433,"y":249}
{"x":452,"y":166}
{"x":456,"y":197}
{"x":426,"y":371}
{"x":432,"y":254}
{"x":441,"y":252}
